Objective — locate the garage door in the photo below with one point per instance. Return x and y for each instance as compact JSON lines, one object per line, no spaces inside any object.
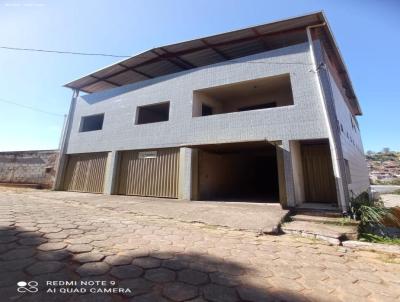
{"x":149,"y":173}
{"x":85,"y":172}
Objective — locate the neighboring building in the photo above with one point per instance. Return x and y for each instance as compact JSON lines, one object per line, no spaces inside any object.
{"x":266,"y":113}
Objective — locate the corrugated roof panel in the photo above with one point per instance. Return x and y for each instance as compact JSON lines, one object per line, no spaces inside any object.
{"x":139,"y":59}
{"x":98,"y":86}
{"x":82,"y":82}
{"x":225,"y":38}
{"x":184,"y":45}
{"x":243,"y":49}
{"x":127,"y":77}
{"x":159,"y":68}
{"x":109,"y":71}
{"x":203,"y":57}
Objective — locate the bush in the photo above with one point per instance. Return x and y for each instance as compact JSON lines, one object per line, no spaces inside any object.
{"x":371,"y":213}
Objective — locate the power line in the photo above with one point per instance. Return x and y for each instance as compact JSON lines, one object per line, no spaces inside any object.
{"x":137,"y":56}
{"x":31,"y":108}
{"x":63,"y":52}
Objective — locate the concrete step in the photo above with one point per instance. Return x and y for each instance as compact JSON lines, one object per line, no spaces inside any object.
{"x":334,"y":213}
{"x":332,"y":233}
{"x":323,"y":219}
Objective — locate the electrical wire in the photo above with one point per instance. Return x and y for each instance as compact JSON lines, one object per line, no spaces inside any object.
{"x":63,"y":52}
{"x":31,"y":108}
{"x":137,"y":56}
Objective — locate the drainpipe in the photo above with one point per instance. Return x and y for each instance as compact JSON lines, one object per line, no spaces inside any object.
{"x":336,"y":150}
{"x":63,"y":141}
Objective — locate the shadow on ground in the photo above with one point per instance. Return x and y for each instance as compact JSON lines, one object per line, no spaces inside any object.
{"x":28,"y":255}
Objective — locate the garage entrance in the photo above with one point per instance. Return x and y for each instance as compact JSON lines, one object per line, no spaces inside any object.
{"x":85,"y":172}
{"x":238,"y":172}
{"x":149,"y":173}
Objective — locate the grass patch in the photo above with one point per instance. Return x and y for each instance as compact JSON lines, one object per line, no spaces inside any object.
{"x":379,"y":239}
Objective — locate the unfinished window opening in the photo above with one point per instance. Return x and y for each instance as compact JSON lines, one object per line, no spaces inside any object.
{"x":153,"y":113}
{"x":206,"y":110}
{"x":92,"y":122}
{"x":259,"y":94}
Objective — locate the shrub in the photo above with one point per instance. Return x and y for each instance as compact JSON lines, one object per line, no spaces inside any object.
{"x":371,"y":213}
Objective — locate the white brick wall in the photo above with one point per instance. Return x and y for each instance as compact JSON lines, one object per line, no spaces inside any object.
{"x":303,"y":120}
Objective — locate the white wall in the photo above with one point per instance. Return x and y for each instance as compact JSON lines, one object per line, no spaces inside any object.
{"x":350,"y":138}
{"x":303,"y":120}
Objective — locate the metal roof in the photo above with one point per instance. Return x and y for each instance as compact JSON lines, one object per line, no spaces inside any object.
{"x":209,"y":50}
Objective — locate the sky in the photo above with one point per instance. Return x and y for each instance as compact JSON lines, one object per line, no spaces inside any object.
{"x":367,"y":33}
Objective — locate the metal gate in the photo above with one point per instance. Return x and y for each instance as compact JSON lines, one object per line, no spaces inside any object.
{"x":149,"y":173}
{"x":85,"y":172}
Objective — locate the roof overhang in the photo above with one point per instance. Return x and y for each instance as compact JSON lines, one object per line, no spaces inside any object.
{"x":210,"y":50}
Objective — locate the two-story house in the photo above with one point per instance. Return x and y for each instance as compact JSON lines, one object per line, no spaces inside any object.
{"x":266,"y":113}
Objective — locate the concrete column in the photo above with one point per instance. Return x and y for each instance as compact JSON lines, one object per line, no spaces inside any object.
{"x":62,"y":156}
{"x":187,"y":173}
{"x":285,"y":175}
{"x":298,"y":177}
{"x":110,"y":181}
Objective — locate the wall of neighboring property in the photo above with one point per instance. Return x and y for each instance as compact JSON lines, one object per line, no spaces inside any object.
{"x":350,"y":138}
{"x":303,"y":120}
{"x":28,"y":167}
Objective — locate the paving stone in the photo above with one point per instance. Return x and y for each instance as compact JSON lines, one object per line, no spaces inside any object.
{"x":44,"y":267}
{"x":93,"y":269}
{"x":224,"y":279}
{"x":126,"y":271}
{"x":192,"y":277}
{"x":151,"y":297}
{"x":179,"y":291}
{"x":32,"y":241}
{"x":8,"y":239}
{"x":15,"y":265}
{"x":174,"y":264}
{"x":219,"y":293}
{"x":52,"y":246}
{"x":59,"y":235}
{"x":147,"y":262}
{"x":53,"y":255}
{"x":8,"y":278}
{"x":254,"y":294}
{"x":18,"y":253}
{"x":80,"y":248}
{"x":88,"y":257}
{"x":160,"y":275}
{"x":50,"y":230}
{"x":138,"y":286}
{"x":118,"y":260}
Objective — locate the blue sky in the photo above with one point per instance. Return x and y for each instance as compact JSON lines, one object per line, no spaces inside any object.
{"x":367,"y":33}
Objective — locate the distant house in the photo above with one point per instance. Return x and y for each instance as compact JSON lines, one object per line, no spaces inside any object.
{"x":266,"y":113}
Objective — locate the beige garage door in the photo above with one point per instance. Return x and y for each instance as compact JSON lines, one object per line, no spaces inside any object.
{"x":85,"y":172}
{"x":149,"y":173}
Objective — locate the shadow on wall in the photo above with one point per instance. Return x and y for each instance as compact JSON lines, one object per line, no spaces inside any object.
{"x":28,"y":255}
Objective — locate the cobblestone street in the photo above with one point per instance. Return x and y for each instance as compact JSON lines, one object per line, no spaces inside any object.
{"x":157,"y":259}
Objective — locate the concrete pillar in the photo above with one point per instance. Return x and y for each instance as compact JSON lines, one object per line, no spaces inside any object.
{"x":285,"y":175}
{"x":298,"y":177}
{"x":63,"y":157}
{"x":111,"y":176}
{"x":187,"y":173}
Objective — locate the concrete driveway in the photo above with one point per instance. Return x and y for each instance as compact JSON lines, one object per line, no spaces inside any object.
{"x":108,"y":253}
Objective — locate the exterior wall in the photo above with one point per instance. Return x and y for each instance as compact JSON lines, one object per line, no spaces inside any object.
{"x":350,"y":139}
{"x":28,"y":167}
{"x":303,"y":120}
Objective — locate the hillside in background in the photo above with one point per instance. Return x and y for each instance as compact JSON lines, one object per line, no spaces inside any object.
{"x":384,"y":167}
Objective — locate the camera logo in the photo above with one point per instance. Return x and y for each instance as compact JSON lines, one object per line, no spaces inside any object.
{"x":31,"y":286}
